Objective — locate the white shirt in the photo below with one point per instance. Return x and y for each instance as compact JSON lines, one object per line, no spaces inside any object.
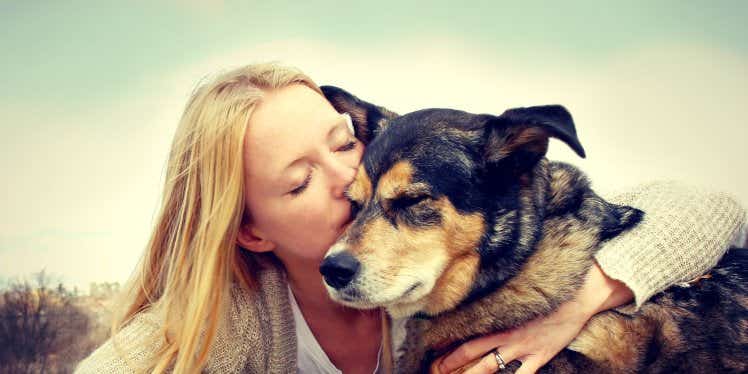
{"x":311,"y":359}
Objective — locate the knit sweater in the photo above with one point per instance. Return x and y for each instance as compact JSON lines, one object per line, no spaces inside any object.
{"x":684,"y":233}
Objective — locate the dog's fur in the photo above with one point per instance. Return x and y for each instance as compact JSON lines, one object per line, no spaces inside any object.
{"x":463,"y":223}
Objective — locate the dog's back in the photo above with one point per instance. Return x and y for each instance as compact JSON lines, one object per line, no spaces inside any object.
{"x":697,"y":327}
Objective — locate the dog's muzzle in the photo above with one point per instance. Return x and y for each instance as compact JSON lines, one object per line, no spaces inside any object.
{"x":339,"y":269}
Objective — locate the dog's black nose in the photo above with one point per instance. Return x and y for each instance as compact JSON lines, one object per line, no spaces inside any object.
{"x":339,"y":269}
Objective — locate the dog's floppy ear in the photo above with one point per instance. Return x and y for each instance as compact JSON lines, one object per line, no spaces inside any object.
{"x":368,"y":119}
{"x":617,"y":218}
{"x":519,"y":137}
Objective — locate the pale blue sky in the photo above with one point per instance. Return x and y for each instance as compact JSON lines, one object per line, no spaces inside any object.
{"x":92,"y":90}
{"x":96,"y":50}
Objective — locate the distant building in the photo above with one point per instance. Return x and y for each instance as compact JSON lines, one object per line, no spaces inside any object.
{"x":99,"y":304}
{"x":103,"y":290}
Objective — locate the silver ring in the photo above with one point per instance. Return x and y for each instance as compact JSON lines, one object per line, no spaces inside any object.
{"x":499,"y":360}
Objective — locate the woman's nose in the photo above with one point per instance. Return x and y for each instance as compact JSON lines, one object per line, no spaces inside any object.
{"x":341,"y":175}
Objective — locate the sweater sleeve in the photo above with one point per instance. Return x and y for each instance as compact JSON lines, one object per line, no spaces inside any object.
{"x":684,"y":233}
{"x":125,"y":352}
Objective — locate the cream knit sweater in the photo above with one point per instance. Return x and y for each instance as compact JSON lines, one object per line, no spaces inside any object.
{"x":684,"y":233}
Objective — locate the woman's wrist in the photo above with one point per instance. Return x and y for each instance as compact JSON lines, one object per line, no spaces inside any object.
{"x":600,"y":292}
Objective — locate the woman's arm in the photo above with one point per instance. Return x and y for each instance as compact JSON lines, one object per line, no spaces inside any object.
{"x":536,"y":342}
{"x":127,"y":351}
{"x":684,"y":233}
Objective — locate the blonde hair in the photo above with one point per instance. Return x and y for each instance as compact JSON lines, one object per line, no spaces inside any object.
{"x":192,"y":257}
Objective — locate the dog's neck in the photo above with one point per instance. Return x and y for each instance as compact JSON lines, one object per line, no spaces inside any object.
{"x":512,"y":229}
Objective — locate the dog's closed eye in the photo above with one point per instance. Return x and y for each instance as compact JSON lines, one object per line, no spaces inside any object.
{"x":409,"y":196}
{"x":413,"y":208}
{"x":407,"y":201}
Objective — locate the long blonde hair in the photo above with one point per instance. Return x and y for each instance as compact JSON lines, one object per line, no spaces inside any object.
{"x":192,"y":257}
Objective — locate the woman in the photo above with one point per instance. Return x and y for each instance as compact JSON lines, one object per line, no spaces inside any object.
{"x":253,"y":198}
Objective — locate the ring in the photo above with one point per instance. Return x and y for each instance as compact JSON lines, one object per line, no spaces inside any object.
{"x":499,"y":360}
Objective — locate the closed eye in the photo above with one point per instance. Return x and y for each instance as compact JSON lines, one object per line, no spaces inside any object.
{"x":348,"y":146}
{"x":405,"y":202}
{"x":299,"y":189}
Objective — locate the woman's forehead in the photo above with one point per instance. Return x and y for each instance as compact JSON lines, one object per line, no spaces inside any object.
{"x":296,"y":108}
{"x":285,"y":126}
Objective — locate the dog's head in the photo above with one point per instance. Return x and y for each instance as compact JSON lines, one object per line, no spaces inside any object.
{"x":426,"y":194}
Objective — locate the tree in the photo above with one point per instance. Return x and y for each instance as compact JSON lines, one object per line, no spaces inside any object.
{"x":39,"y":326}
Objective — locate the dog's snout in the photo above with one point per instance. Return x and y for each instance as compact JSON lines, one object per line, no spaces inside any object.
{"x":339,"y":269}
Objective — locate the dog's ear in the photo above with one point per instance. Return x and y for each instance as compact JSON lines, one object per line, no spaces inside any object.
{"x":617,"y":218}
{"x":368,"y":119}
{"x":519,"y":137}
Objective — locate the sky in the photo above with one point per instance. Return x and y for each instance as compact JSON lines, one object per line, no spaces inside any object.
{"x":91,"y":93}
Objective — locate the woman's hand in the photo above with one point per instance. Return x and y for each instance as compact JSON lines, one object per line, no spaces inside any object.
{"x":536,"y":342}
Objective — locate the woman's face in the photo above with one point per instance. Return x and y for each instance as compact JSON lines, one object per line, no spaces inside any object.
{"x":299,"y":158}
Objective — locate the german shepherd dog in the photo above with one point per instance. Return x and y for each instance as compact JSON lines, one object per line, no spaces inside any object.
{"x":464,"y":224}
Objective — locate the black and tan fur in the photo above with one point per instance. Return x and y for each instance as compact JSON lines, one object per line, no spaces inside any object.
{"x":491,"y":235}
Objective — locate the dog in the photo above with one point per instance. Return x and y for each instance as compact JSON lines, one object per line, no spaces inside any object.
{"x":463,"y":224}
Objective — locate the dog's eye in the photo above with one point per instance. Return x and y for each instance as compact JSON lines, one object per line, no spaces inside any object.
{"x":405,"y":202}
{"x":413,"y":210}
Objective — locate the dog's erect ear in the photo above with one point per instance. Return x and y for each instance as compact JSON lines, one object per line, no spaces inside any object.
{"x":368,"y":119}
{"x":521,"y":135}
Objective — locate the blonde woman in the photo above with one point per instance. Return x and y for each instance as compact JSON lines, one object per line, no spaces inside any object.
{"x":254,"y":196}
